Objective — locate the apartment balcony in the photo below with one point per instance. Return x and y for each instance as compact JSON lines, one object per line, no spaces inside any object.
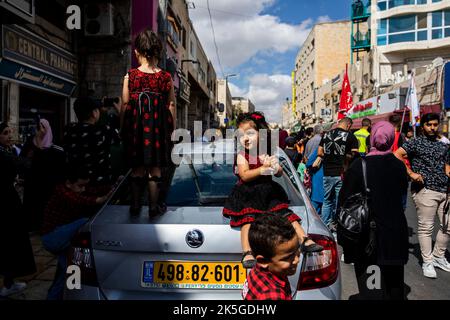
{"x":360,"y":11}
{"x":361,"y":41}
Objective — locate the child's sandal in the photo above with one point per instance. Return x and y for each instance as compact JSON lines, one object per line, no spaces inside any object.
{"x":250,"y":263}
{"x":312,"y":247}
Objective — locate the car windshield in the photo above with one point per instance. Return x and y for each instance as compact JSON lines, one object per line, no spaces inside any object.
{"x":205,"y":185}
{"x":211,"y":184}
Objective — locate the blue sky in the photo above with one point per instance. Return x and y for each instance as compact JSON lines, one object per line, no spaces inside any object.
{"x":259,"y":40}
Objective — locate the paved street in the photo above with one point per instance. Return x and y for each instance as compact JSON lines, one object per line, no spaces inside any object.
{"x":39,"y":282}
{"x":419,"y":287}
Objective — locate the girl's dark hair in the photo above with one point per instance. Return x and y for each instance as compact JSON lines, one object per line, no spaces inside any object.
{"x":259,"y":121}
{"x":148,"y":44}
{"x":256,"y":117}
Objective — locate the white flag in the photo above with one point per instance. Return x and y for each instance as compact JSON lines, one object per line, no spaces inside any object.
{"x":412,"y":103}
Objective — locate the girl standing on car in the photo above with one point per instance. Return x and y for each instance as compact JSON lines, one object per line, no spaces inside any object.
{"x":148,"y":119}
{"x":256,"y":193}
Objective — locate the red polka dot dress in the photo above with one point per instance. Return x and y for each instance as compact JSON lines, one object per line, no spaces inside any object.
{"x":148,"y":122}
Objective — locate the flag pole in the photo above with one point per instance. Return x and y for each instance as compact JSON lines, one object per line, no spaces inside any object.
{"x":403,"y":119}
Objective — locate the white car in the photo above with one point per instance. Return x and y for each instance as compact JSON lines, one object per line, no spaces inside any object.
{"x":191,"y":252}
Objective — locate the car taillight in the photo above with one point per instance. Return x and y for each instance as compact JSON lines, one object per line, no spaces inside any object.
{"x":80,"y":254}
{"x":321,"y":269}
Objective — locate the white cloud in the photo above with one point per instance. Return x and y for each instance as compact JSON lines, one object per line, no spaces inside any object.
{"x":244,"y":34}
{"x":323,"y":19}
{"x":241,"y":32}
{"x":267,"y":92}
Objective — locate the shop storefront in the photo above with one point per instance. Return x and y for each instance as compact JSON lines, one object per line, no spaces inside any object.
{"x":38,"y":78}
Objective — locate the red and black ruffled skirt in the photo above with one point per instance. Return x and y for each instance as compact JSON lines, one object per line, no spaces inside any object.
{"x":147,"y":130}
{"x":248,"y":200}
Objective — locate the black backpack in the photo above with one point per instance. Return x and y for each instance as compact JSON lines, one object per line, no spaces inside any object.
{"x":354,"y":219}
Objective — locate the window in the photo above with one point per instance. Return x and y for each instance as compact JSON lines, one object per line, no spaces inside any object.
{"x":447,"y":32}
{"x":402,"y":37}
{"x":402,"y":23}
{"x":397,"y":3}
{"x":381,"y":40}
{"x":422,"y":35}
{"x":436,"y":1}
{"x":422,"y":21}
{"x":382,"y":5}
{"x":441,"y":24}
{"x":411,"y":28}
{"x":382,"y":26}
{"x":437,"y":19}
{"x":390,"y":4}
{"x":436,"y":34}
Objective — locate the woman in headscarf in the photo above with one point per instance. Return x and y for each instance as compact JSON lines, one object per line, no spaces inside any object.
{"x":17,"y":255}
{"x":47,"y":170}
{"x":387,"y":181}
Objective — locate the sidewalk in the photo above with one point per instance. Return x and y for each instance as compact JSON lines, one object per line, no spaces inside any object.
{"x":39,"y":282}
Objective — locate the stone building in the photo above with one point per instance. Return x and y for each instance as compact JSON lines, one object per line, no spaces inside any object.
{"x":323,"y":54}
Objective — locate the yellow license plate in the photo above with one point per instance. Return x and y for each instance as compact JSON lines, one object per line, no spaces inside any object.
{"x":193,"y":275}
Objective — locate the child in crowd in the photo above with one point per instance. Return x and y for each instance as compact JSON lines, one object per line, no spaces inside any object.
{"x":67,"y":211}
{"x":148,"y":118}
{"x":275,"y":245}
{"x":256,"y":193}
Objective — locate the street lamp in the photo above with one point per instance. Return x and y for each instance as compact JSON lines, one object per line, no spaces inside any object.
{"x":230,"y":76}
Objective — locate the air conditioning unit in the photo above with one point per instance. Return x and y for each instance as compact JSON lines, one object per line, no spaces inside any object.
{"x":98,"y":20}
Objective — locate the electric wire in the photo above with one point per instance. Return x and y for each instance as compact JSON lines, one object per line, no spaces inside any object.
{"x":214,"y":37}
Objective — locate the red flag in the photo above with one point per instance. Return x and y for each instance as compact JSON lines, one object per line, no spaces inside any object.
{"x":346,"y":97}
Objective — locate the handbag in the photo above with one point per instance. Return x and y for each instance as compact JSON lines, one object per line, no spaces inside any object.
{"x":354,"y":219}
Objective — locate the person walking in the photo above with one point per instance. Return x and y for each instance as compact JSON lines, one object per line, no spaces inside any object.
{"x":313,"y":143}
{"x":17,"y":254}
{"x":387,"y":182}
{"x":87,"y":145}
{"x":148,"y":120}
{"x":316,"y":171}
{"x":47,"y":170}
{"x":291,"y":152}
{"x":336,"y":149}
{"x":363,"y":136}
{"x":429,"y":163}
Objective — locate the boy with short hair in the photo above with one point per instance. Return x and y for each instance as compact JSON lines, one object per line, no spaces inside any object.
{"x":67,"y":211}
{"x":276,"y":247}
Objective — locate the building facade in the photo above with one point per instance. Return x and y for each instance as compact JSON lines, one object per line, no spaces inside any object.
{"x":407,"y":35}
{"x":242,"y":105}
{"x":390,"y":41}
{"x":38,"y":66}
{"x":225,"y":103}
{"x":319,"y":59}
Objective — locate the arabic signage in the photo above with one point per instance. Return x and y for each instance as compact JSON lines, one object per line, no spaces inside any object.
{"x":23,"y":47}
{"x":364,"y":108}
{"x":19,"y":73}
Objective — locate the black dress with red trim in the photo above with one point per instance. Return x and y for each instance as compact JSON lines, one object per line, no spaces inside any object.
{"x":148,"y":122}
{"x":260,"y":196}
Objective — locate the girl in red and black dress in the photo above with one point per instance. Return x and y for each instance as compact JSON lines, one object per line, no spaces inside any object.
{"x":256,"y":193}
{"x":148,"y":119}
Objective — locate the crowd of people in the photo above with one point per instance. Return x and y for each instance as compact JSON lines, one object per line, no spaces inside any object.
{"x":333,"y":172}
